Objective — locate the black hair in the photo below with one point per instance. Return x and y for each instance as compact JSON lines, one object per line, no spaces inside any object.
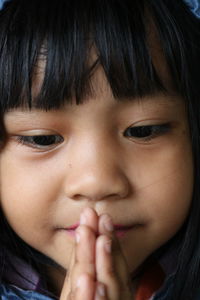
{"x":63,"y":34}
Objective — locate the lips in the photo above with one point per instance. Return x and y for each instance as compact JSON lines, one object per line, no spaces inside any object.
{"x":73,"y":227}
{"x":120,"y":230}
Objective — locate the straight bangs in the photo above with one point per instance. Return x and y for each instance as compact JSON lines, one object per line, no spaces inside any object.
{"x":49,"y":50}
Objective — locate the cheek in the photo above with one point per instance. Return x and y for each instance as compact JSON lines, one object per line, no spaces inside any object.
{"x":163,"y":186}
{"x":166,"y":187}
{"x":30,"y":204}
{"x":25,"y":194}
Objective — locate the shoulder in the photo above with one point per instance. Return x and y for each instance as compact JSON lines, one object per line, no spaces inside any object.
{"x":14,"y":293}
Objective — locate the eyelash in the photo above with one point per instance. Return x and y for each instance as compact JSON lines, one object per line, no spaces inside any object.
{"x":145,"y":133}
{"x":40,"y":141}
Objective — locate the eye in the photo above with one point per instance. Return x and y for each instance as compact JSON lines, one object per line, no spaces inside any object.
{"x":40,"y":141}
{"x":146,"y":132}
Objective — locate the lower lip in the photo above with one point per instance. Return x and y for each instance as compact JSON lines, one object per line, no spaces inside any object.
{"x":71,"y":232}
{"x":120,"y":233}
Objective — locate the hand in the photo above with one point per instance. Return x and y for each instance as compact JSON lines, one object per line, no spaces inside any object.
{"x":98,"y":269}
{"x":111,"y":267}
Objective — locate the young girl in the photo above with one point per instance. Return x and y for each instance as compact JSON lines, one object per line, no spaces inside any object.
{"x":100,"y":143}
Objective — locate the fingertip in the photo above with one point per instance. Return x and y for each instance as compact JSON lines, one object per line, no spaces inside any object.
{"x":105,"y":224}
{"x":100,"y":292}
{"x":105,"y":243}
{"x":88,"y":212}
{"x":89,"y":218}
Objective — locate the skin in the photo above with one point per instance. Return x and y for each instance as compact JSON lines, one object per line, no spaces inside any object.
{"x":98,"y":171}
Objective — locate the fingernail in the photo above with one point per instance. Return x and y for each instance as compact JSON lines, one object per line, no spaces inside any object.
{"x":108,"y":246}
{"x":108,"y":224}
{"x":101,"y":290}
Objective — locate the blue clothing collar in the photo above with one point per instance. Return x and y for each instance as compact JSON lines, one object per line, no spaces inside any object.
{"x":194,"y":6}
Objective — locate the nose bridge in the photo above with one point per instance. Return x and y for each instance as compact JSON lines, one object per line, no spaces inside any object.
{"x":95,"y":172}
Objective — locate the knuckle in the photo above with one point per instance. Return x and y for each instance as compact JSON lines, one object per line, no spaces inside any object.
{"x":111,"y":273}
{"x":71,"y":296}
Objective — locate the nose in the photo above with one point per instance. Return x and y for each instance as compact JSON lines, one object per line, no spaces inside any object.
{"x":96,"y":175}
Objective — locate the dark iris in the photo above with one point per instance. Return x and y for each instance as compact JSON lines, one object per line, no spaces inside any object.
{"x":41,"y":140}
{"x":44,"y":140}
{"x":146,"y":131}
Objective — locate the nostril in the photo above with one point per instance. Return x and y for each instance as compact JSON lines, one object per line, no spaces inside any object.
{"x":90,"y":186}
{"x":79,"y":197}
{"x":100,"y":197}
{"x":111,"y":197}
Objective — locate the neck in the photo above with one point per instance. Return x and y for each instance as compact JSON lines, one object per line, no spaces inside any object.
{"x":55,"y":279}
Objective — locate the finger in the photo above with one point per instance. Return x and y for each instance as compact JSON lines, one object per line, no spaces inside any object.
{"x":85,"y":250}
{"x":82,"y":262}
{"x":84,"y":289}
{"x":100,"y":292}
{"x":89,"y":218}
{"x":84,"y":274}
{"x":106,"y":227}
{"x":111,"y":267}
{"x":105,"y":272}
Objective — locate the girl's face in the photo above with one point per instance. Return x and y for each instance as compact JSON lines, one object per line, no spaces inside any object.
{"x":130,"y":159}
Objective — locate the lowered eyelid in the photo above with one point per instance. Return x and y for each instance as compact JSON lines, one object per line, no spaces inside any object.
{"x":153,"y":130}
